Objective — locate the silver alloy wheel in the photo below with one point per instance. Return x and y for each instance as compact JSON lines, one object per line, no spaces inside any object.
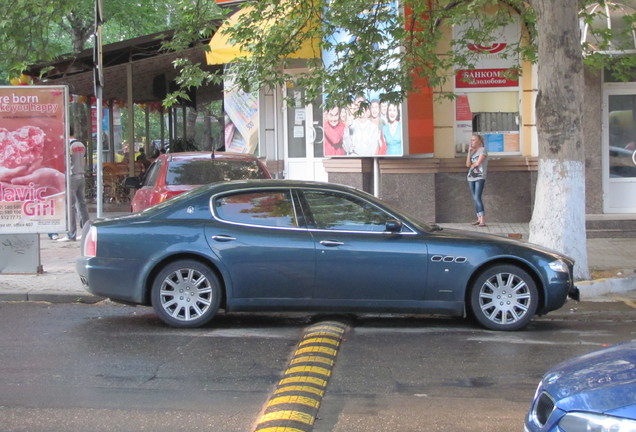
{"x":186,"y":294}
{"x":504,"y":297}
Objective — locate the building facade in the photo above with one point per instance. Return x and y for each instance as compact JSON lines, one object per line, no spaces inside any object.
{"x":427,"y":177}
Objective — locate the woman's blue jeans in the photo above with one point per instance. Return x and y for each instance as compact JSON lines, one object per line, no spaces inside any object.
{"x":476,"y":189}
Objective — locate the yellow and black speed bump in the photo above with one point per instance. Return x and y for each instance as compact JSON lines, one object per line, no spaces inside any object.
{"x":294,"y":403}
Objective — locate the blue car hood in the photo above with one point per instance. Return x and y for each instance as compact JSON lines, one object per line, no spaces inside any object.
{"x":602,"y":381}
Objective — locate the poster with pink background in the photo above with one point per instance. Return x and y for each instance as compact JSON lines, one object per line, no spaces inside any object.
{"x":33,"y":136}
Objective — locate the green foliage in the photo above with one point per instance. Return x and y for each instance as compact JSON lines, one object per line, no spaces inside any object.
{"x":610,"y":47}
{"x":191,"y":76}
{"x":154,"y":121}
{"x":386,"y":51}
{"x":194,"y":21}
{"x":25,"y":31}
{"x":36,"y":31}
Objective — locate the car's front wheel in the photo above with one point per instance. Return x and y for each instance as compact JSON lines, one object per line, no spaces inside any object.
{"x":504,"y":297}
{"x":186,"y":293}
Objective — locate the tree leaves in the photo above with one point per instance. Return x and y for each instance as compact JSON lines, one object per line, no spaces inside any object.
{"x":36,"y":31}
{"x":386,"y":51}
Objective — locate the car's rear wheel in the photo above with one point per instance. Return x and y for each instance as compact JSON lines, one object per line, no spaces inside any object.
{"x":186,"y":293}
{"x":504,"y":297}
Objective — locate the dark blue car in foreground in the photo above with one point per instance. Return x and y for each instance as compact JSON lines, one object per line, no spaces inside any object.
{"x":594,"y":392}
{"x":280,"y":245}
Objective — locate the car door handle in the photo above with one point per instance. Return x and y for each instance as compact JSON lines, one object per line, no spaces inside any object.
{"x":223,"y":238}
{"x":331,"y":243}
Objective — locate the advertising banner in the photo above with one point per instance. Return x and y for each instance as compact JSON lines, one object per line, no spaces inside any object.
{"x":376,"y":130}
{"x":463,"y":124}
{"x":33,"y":125}
{"x":241,"y":119}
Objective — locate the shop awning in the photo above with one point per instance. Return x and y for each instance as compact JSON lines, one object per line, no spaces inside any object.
{"x":223,"y":50}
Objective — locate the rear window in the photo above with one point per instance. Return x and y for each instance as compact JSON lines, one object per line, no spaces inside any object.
{"x":204,"y":171}
{"x":273,"y":208}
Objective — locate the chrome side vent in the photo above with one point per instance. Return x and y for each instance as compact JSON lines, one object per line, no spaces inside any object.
{"x":448,"y":259}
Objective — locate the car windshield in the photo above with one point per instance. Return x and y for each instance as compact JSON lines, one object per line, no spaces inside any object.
{"x":204,"y":171}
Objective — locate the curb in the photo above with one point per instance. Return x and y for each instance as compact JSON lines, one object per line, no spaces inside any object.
{"x":592,"y":289}
{"x":49,"y":297}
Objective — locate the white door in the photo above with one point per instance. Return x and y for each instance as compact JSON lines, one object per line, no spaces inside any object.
{"x":303,"y":138}
{"x":619,"y":149}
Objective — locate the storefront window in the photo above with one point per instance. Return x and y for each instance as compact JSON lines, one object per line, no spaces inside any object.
{"x":494,"y":115}
{"x":622,"y":136}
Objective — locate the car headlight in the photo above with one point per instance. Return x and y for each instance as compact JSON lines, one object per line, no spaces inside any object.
{"x":578,"y":421}
{"x":559,"y":266}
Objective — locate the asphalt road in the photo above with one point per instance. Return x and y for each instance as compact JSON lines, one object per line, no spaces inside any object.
{"x":105,"y":367}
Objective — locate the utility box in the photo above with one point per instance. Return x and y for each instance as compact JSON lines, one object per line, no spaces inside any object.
{"x":20,"y":253}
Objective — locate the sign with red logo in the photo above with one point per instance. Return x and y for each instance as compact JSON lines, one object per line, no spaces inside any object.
{"x":493,"y":61}
{"x":488,"y":49}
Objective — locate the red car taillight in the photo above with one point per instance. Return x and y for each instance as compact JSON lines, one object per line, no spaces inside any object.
{"x":166,"y":195}
{"x":90,"y":243}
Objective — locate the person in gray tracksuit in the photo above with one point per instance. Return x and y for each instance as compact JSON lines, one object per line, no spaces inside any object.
{"x":77,"y":194}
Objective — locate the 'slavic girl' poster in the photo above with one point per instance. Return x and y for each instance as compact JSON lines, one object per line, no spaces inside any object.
{"x":33,"y":136}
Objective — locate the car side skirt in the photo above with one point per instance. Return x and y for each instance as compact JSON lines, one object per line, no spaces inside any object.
{"x":309,"y":305}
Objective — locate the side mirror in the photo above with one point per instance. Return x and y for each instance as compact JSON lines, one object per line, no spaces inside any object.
{"x":132,"y":183}
{"x":393,"y":226}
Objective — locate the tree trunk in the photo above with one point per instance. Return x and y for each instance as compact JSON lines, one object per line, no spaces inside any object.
{"x":191,"y":126}
{"x":558,"y":220}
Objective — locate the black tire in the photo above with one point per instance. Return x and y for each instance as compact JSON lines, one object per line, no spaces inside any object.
{"x":186,"y":294}
{"x":504,"y":297}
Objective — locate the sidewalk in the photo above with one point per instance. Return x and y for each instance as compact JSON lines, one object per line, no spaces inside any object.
{"x":613,"y":261}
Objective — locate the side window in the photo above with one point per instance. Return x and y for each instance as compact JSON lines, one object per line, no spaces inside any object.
{"x":334,"y":211}
{"x":150,"y":178}
{"x":272,"y":208}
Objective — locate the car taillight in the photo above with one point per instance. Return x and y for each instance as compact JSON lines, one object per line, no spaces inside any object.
{"x":90,"y":243}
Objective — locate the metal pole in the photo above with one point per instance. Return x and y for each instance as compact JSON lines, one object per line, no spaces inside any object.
{"x":99,"y":82}
{"x":131,"y":117}
{"x":376,"y":177}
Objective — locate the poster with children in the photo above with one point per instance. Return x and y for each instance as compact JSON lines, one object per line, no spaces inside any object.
{"x":33,"y":125}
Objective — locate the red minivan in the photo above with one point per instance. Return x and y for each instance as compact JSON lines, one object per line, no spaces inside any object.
{"x":172,"y":174}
